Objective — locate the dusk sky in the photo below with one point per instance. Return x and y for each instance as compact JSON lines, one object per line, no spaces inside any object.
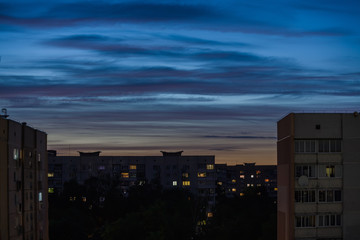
{"x":205,"y":77}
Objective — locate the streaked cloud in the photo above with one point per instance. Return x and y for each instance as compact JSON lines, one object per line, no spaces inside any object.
{"x":206,"y":77}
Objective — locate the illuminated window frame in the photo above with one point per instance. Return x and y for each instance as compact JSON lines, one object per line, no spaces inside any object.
{"x":125,"y":175}
{"x":210,"y":166}
{"x":201,"y":174}
{"x":16,"y":154}
{"x":186,"y":183}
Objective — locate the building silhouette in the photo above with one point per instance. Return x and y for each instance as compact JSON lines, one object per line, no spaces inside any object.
{"x":234,"y":180}
{"x":172,"y":170}
{"x":318,"y":176}
{"x":198,"y":174}
{"x":23,"y":182}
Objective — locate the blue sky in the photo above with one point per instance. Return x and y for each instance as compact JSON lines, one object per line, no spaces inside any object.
{"x":206,"y":77}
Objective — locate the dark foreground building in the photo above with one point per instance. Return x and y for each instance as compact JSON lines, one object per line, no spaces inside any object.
{"x":23,"y":182}
{"x":318,"y":176}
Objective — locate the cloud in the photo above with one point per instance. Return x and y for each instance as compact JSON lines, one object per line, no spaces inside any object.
{"x":68,"y":14}
{"x":240,"y":137}
{"x":203,"y":41}
{"x":263,"y":19}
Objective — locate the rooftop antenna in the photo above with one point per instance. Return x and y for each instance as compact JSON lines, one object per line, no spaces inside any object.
{"x":4,"y":113}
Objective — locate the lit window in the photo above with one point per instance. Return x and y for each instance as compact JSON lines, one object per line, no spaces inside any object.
{"x":203,"y":174}
{"x":242,"y":194}
{"x":248,"y":185}
{"x":50,"y":174}
{"x":219,"y":183}
{"x":210,"y":215}
{"x":275,"y":189}
{"x":186,"y":183}
{"x":233,"y":189}
{"x":16,"y":154}
{"x":330,"y":171}
{"x":51,"y":190}
{"x":185,"y":175}
{"x":233,"y":181}
{"x":258,"y":185}
{"x":133,"y":167}
{"x":258,"y":172}
{"x":209,"y":166}
{"x":84,"y":199}
{"x":252,"y":176}
{"x":125,"y":175}
{"x":174,"y":183}
{"x":267,"y":180}
{"x":242,"y":176}
{"x":40,"y":197}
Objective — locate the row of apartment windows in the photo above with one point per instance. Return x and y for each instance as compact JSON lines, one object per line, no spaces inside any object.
{"x":16,"y":155}
{"x":117,"y":167}
{"x":304,"y":196}
{"x":133,"y":175}
{"x":326,"y":220}
{"x":321,"y":171}
{"x":313,"y":146}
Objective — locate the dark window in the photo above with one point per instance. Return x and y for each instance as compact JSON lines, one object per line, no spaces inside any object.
{"x":337,"y":195}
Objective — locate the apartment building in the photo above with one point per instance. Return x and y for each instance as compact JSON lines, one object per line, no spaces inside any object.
{"x":318,"y":176}
{"x":23,"y":182}
{"x":170,"y":170}
{"x":235,"y":179}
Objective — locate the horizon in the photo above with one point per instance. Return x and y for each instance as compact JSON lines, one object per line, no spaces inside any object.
{"x":206,"y":77}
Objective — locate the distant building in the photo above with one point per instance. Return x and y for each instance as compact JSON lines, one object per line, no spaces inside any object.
{"x":318,"y":176}
{"x":172,"y":170}
{"x":233,"y":180}
{"x":23,"y":182}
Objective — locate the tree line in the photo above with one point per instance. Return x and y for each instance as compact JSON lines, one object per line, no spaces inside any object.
{"x":100,"y":210}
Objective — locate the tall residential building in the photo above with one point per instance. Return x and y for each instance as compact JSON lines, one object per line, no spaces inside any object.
{"x":23,"y":182}
{"x":318,"y":176}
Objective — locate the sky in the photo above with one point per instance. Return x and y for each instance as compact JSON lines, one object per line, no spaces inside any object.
{"x":206,"y":77}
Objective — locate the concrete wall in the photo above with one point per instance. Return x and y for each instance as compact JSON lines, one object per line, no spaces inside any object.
{"x":330,"y":126}
{"x":285,"y":181}
{"x":20,"y":183}
{"x":351,"y":176}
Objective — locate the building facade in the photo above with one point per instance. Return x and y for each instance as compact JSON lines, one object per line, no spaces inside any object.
{"x":170,"y":171}
{"x":318,"y":176}
{"x":23,"y":182}
{"x":233,"y":180}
